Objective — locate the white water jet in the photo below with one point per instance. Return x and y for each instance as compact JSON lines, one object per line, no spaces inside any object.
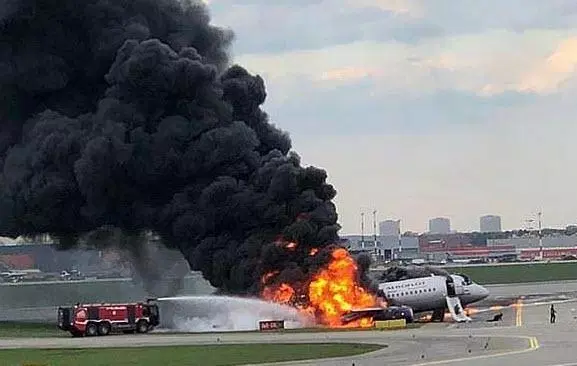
{"x":224,"y":313}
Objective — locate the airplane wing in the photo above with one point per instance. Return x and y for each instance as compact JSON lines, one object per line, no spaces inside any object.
{"x":355,"y":314}
{"x":366,"y":309}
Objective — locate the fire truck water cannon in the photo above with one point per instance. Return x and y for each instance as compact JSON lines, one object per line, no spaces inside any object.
{"x":102,"y":319}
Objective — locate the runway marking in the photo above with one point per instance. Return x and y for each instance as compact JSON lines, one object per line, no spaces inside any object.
{"x":533,"y":345}
{"x":519,"y":313}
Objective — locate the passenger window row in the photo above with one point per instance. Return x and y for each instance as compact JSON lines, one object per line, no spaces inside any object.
{"x":411,"y":292}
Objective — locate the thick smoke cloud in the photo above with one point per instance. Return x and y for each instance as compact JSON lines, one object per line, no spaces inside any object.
{"x":127,"y":114}
{"x":397,"y":273}
{"x":364,"y":262}
{"x":158,"y":269}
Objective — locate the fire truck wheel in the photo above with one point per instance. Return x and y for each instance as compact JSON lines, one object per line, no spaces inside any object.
{"x":142,"y":326}
{"x":91,"y":330}
{"x":104,"y":328}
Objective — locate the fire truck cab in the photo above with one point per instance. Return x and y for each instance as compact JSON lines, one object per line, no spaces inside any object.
{"x":102,"y":319}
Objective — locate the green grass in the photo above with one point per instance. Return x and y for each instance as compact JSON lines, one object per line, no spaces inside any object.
{"x":215,"y":355}
{"x":24,"y":329}
{"x":21,"y":329}
{"x":537,"y":272}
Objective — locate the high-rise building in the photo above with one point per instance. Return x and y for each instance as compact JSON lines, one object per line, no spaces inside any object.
{"x":490,"y":224}
{"x":390,"y":227}
{"x":439,"y":225}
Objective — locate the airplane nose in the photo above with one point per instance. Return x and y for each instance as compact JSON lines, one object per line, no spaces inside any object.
{"x":483,"y":292}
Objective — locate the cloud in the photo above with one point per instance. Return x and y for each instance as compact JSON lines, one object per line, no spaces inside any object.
{"x":272,"y":26}
{"x":352,"y":111}
{"x":371,"y":87}
{"x":347,"y":73}
{"x":471,"y":16}
{"x":423,"y":108}
{"x":513,"y":166}
{"x":550,"y":74}
{"x":281,"y":26}
{"x":484,"y":64}
{"x":413,"y":8}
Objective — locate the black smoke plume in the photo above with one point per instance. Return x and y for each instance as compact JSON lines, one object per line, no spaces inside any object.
{"x":128,"y":114}
{"x":398,"y":273}
{"x":364,"y":262}
{"x":160,"y":270}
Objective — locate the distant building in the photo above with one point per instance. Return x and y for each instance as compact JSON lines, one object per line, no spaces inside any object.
{"x":490,"y":224}
{"x":532,"y":242}
{"x":386,"y":248}
{"x":439,"y":225}
{"x":390,"y":227}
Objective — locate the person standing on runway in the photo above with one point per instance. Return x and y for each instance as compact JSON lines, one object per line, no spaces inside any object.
{"x":553,"y":314}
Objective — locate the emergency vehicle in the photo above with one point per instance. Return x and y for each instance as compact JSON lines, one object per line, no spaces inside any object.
{"x":102,"y":319}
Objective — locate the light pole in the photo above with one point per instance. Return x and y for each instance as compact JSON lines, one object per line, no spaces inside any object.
{"x":375,"y":227}
{"x":540,"y":237}
{"x":375,"y":249}
{"x":362,"y":230}
{"x":539,"y":233}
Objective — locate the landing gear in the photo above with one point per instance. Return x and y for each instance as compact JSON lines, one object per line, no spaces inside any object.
{"x":438,"y":315}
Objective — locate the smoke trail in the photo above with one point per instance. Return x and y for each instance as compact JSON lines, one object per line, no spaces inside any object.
{"x":127,"y":114}
{"x":397,"y":273}
{"x":364,"y":262}
{"x":160,"y":270}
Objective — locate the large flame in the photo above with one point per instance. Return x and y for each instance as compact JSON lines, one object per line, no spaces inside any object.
{"x":333,"y":291}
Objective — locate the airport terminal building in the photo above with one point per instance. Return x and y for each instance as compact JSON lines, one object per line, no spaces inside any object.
{"x":45,"y":256}
{"x":458,"y":246}
{"x":385,"y":248}
{"x":528,"y":248}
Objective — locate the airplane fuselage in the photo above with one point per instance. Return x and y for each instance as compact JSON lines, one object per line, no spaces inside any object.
{"x":430,"y":293}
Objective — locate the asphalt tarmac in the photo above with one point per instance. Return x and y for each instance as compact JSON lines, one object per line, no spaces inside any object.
{"x":524,"y":336}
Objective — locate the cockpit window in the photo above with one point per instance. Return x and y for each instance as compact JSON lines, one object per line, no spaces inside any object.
{"x":466,"y":280}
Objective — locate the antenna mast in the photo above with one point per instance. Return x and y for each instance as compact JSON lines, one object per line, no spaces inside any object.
{"x":375,"y":227}
{"x":363,"y":230}
{"x":376,"y":250}
{"x":540,"y":236}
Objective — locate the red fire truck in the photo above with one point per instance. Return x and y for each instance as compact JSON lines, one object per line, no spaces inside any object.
{"x":102,"y":319}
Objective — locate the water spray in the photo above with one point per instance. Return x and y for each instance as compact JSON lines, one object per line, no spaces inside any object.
{"x":225,"y":314}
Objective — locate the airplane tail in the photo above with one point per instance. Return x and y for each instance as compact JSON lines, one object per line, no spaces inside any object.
{"x":456,"y":309}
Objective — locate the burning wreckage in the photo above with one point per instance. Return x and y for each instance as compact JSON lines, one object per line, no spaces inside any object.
{"x":130,"y":115}
{"x":333,"y":295}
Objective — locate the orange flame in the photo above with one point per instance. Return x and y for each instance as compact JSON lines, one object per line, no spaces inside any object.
{"x":281,"y":294}
{"x":332,"y":292}
{"x":268,"y":276}
{"x":335,"y":290}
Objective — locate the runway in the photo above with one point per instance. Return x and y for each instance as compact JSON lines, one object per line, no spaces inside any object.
{"x":524,"y":336}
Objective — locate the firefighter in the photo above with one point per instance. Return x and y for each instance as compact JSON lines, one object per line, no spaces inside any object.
{"x":553,"y":314}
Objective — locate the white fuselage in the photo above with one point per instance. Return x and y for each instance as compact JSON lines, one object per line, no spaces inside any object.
{"x":429,"y":293}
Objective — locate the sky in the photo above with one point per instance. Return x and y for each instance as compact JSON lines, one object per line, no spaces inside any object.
{"x":423,"y":108}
